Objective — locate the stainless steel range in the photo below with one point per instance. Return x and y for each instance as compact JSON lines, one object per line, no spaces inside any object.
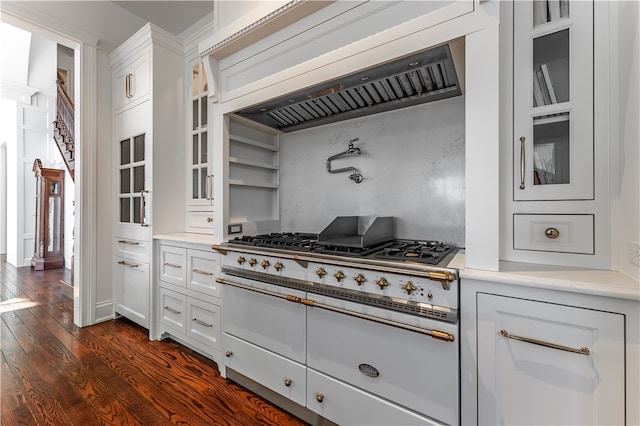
{"x":354,"y":312}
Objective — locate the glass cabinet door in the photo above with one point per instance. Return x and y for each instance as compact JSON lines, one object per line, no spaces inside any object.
{"x":199,"y":160}
{"x":553,"y":100}
{"x":132,"y":188}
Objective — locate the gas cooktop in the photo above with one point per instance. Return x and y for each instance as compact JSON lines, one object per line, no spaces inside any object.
{"x":422,"y":251}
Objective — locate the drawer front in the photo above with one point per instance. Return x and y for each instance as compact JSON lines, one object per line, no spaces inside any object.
{"x":286,"y":377}
{"x":344,"y":404}
{"x":131,"y":289}
{"x":203,"y":322}
{"x":132,"y":249}
{"x":173,"y":265}
{"x":204,"y":268}
{"x":564,"y":233}
{"x":200,"y":220}
{"x":173,"y":309}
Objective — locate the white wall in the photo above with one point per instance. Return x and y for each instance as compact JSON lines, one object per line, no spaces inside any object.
{"x":413,"y":165}
{"x":7,"y":192}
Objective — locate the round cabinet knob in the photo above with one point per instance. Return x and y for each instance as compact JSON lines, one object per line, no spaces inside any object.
{"x":339,"y":276}
{"x":241,"y":260}
{"x":209,"y":219}
{"x":320,"y":272}
{"x":360,"y":279}
{"x":409,"y":287}
{"x":278,"y":266}
{"x":228,"y":354}
{"x":287,"y":382}
{"x":265,"y":264}
{"x":252,"y":262}
{"x":551,"y":233}
{"x":382,"y":283}
{"x":319,"y":397}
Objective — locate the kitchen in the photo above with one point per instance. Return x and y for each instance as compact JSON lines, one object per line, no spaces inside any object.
{"x":463,"y":160}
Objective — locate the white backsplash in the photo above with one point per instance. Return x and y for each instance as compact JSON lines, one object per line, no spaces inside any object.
{"x":413,"y":166}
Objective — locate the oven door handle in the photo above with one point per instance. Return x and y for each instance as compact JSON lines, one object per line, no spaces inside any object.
{"x":436,"y":334}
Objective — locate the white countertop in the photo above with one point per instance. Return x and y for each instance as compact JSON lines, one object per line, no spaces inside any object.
{"x":578,"y":280}
{"x":186,"y":237}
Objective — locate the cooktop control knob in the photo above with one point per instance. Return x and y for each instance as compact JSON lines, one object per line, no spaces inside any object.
{"x":320,"y":272}
{"x":278,"y":266}
{"x":252,"y":262}
{"x":382,"y":283}
{"x":265,"y":264}
{"x":241,"y":260}
{"x":338,"y":275}
{"x":409,"y":287}
{"x":360,"y":279}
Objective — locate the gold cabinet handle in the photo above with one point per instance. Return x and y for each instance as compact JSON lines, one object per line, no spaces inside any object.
{"x":133,"y":243}
{"x":287,"y":382}
{"x":143,"y":218}
{"x":319,"y":397}
{"x":209,"y":187}
{"x":522,"y":159}
{"x":228,"y":354}
{"x":173,"y":311}
{"x":209,"y":219}
{"x":582,"y":351}
{"x":201,"y":272}
{"x":202,"y":323}
{"x":132,"y":265}
{"x":551,"y":233}
{"x":173,"y":265}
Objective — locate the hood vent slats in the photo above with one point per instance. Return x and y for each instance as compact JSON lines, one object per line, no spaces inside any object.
{"x":423,"y":77}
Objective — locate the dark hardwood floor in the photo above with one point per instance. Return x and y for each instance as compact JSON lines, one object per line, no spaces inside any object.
{"x":54,"y":373}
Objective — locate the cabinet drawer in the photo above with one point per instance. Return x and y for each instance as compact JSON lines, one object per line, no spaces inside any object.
{"x":564,"y":233}
{"x":204,"y":268}
{"x":173,"y":309}
{"x":132,"y":249}
{"x":203,"y":322}
{"x":337,"y":401}
{"x":200,"y":220}
{"x":266,"y":368}
{"x":173,"y":265}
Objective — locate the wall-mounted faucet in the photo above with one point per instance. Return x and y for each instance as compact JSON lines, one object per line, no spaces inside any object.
{"x":355,"y":176}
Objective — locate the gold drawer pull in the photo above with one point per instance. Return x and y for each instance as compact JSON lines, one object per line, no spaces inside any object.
{"x":581,"y":351}
{"x":319,"y":397}
{"x":173,"y":265}
{"x":228,"y":354}
{"x":200,"y":271}
{"x":287,"y":382}
{"x":133,"y":243}
{"x":132,"y":265}
{"x":173,"y":311}
{"x":551,"y":233}
{"x":202,"y":323}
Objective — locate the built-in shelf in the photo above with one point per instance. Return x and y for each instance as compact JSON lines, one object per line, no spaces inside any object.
{"x":253,"y":163}
{"x":238,"y":182}
{"x":248,"y":141}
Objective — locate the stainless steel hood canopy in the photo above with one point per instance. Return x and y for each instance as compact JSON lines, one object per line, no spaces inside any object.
{"x":426,"y":76}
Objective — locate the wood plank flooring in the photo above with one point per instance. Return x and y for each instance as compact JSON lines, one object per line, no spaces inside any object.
{"x":54,"y":373}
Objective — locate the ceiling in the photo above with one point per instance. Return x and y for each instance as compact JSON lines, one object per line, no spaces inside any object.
{"x":172,"y":16}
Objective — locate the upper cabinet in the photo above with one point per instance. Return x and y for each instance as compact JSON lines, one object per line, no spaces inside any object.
{"x":132,"y":81}
{"x":553,"y":100}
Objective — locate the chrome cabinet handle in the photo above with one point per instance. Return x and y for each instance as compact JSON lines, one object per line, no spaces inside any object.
{"x":582,"y":351}
{"x":200,"y":271}
{"x":202,"y":323}
{"x":132,"y":265}
{"x":143,"y":218}
{"x":173,"y":311}
{"x":522,"y":162}
{"x":173,"y":265}
{"x":127,"y":85}
{"x":133,"y":243}
{"x":209,"y":187}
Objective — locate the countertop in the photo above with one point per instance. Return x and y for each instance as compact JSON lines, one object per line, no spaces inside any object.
{"x":578,"y":280}
{"x":186,"y":237}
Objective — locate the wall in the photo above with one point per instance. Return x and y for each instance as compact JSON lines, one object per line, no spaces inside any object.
{"x":413,"y":165}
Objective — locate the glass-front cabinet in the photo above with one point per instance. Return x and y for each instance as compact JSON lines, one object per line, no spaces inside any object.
{"x":553,"y":100}
{"x":49,"y":238}
{"x":200,"y":176}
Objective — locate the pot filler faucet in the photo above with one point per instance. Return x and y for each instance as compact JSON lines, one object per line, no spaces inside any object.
{"x":355,"y":176}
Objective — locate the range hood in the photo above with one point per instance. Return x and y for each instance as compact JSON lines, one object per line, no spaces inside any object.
{"x":427,"y":76}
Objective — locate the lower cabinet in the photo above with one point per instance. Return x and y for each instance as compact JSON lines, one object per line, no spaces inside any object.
{"x":131,"y":290}
{"x":188,"y":296}
{"x":546,"y":363}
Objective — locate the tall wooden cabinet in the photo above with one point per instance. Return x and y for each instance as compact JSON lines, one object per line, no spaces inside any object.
{"x":147,"y":85}
{"x":49,"y":238}
{"x":559,"y":141}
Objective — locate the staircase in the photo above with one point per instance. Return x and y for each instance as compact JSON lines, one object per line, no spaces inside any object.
{"x":63,"y":128}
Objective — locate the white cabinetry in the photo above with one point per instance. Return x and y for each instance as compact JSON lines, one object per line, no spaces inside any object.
{"x":543,"y":363}
{"x":559,"y":212}
{"x":188,"y":297}
{"x":147,"y":161}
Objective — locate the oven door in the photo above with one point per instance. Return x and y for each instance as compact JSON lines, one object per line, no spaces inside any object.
{"x":408,"y":367}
